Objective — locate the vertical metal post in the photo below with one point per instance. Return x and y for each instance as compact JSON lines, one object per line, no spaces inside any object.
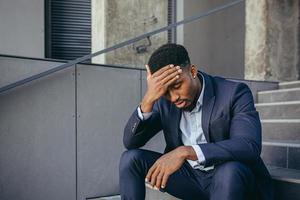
{"x":47,"y":28}
{"x":171,"y":20}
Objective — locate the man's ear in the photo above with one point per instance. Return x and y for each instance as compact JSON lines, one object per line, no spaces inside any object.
{"x":194,"y":71}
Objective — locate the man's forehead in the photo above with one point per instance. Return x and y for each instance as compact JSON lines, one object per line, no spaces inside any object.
{"x":185,"y":70}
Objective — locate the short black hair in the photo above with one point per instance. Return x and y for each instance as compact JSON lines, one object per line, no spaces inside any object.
{"x":168,"y":54}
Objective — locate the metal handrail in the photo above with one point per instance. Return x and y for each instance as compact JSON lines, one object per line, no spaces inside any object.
{"x":119,"y":45}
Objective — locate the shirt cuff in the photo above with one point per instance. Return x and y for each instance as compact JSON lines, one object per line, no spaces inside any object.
{"x":144,"y":116}
{"x":199,"y":164}
{"x":199,"y":153}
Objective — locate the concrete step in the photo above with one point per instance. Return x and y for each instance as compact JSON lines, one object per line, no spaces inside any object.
{"x":286,"y":183}
{"x":150,"y":195}
{"x":157,"y":195}
{"x":279,"y":110}
{"x":290,"y":94}
{"x":280,"y":129}
{"x":290,"y":84}
{"x":281,"y":153}
{"x":116,"y":197}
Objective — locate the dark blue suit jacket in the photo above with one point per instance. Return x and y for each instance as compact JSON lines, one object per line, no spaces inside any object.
{"x":230,"y":123}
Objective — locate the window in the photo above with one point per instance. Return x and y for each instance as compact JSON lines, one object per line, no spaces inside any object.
{"x":68,"y":28}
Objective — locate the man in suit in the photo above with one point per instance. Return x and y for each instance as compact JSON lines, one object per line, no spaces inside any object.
{"x":212,"y":132}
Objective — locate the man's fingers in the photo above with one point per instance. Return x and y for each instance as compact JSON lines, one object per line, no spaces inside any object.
{"x":159,"y":179}
{"x":171,"y":76}
{"x":154,"y":176}
{"x":171,"y":81}
{"x":166,"y":73}
{"x":150,"y":172}
{"x":164,"y":180}
{"x":163,"y":69}
{"x":169,"y":72}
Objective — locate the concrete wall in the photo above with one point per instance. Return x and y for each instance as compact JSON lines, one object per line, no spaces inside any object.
{"x":272,"y":40}
{"x":215,"y":43}
{"x":255,"y":42}
{"x":125,"y":20}
{"x":22,"y":28}
{"x":98,"y":29}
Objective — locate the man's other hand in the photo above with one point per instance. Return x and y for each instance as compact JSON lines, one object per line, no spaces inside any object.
{"x":158,"y":84}
{"x":166,"y":165}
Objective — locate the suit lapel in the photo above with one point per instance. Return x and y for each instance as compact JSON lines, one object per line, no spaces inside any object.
{"x":208,"y":104}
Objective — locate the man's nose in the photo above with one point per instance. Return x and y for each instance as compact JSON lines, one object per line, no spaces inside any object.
{"x":173,"y":96}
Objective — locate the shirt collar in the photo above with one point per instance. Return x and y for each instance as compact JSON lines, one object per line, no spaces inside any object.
{"x":200,"y":98}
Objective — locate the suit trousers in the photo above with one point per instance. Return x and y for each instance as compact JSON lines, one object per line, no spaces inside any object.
{"x":229,"y":181}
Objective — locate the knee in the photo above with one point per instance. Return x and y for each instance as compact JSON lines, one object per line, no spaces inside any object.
{"x":129,"y":158}
{"x":232,"y":180}
{"x":233,"y":172}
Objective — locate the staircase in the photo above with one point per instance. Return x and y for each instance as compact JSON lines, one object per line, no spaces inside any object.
{"x":280,"y":116}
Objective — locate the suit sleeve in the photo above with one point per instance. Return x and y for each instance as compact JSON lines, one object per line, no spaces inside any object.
{"x":138,"y":132}
{"x":244,"y":143}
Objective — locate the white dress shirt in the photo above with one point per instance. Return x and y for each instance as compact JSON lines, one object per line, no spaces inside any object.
{"x":191,"y":129}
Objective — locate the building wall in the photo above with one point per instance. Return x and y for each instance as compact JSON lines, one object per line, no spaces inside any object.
{"x":216,"y":42}
{"x":61,"y":135}
{"x":255,"y":41}
{"x":272,"y":40}
{"x":22,"y":28}
{"x":98,"y":29}
{"x":125,"y":20}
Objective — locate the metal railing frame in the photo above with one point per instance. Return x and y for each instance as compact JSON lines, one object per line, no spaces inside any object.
{"x":119,"y":45}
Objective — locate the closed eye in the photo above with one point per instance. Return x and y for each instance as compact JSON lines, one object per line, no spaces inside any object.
{"x":177,"y":85}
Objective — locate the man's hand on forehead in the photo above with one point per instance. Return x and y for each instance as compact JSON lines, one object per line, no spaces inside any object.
{"x":167,"y":68}
{"x":165,"y":76}
{"x":158,"y":84}
{"x":167,"y":73}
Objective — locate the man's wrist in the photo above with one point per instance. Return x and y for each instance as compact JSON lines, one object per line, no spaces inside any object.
{"x":143,"y":115}
{"x":188,"y":153}
{"x":146,"y":105}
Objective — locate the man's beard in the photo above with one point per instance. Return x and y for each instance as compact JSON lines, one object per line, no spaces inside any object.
{"x":187,"y":101}
{"x":190,"y":107}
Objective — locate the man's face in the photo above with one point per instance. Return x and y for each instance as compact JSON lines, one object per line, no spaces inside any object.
{"x":184,"y":90}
